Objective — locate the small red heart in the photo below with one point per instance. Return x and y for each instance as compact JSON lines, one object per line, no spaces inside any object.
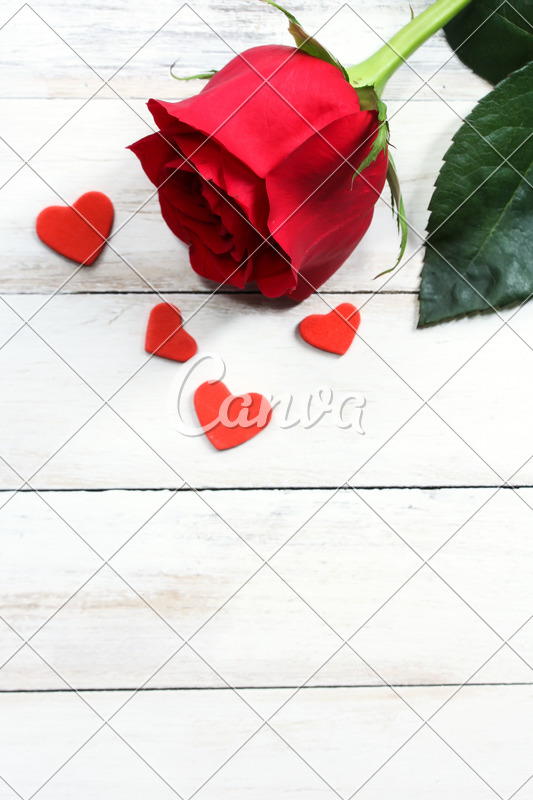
{"x":79,"y":233}
{"x":333,"y":332}
{"x":229,"y":420}
{"x":164,"y":335}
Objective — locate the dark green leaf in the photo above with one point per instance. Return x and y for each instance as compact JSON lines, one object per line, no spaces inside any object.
{"x":307,"y":43}
{"x":479,"y":253}
{"x":497,"y":37}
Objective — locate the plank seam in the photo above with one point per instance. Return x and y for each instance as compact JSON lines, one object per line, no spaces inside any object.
{"x":432,"y":488}
{"x":261,"y":688}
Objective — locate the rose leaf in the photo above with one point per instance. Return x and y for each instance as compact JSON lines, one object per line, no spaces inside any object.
{"x":479,"y":247}
{"x":492,"y":37}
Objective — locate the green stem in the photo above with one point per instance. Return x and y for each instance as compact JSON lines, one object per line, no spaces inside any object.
{"x":376,"y":70}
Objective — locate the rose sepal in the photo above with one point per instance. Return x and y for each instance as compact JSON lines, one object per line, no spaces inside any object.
{"x":201,"y":76}
{"x":308,"y":44}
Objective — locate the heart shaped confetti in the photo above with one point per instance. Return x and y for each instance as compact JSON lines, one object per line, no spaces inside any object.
{"x":333,"y":332}
{"x":229,"y":420}
{"x":78,"y":233}
{"x":165,"y":337}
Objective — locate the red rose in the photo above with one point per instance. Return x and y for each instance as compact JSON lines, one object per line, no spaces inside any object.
{"x":246,"y":161}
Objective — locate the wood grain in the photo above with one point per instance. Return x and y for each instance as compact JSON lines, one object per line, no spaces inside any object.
{"x":322,"y":743}
{"x":392,"y":367}
{"x":62,"y":170}
{"x":220,"y":604}
{"x":269,"y":585}
{"x":79,"y":50}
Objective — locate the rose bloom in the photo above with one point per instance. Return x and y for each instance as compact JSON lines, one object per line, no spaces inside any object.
{"x":257,"y":178}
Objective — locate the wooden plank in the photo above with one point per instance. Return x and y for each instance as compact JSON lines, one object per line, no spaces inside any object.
{"x":404,"y":444}
{"x":175,"y":559}
{"x":322,"y":743}
{"x":79,"y":158}
{"x":200,"y":35}
{"x":183,"y":565}
{"x":80,"y":155}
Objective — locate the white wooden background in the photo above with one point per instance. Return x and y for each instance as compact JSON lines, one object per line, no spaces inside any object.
{"x":318,"y":613}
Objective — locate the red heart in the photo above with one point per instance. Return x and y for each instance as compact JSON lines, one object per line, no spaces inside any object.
{"x":333,"y":332}
{"x":164,"y":335}
{"x":79,"y":233}
{"x":215,"y":406}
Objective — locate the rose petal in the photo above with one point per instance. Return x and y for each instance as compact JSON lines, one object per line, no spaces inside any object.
{"x":218,"y":268}
{"x":318,"y":218}
{"x":237,"y":102}
{"x":273,"y":273}
{"x":153,"y":152}
{"x":217,"y":165}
